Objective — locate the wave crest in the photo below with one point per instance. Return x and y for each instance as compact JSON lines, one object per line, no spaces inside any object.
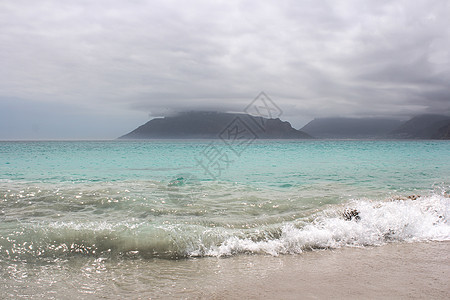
{"x":377,"y":222}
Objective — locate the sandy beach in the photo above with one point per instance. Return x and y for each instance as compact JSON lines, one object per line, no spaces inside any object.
{"x":395,"y":271}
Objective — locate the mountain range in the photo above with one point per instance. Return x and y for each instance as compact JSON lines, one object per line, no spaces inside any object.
{"x":211,"y":125}
{"x":424,"y":127}
{"x":427,"y":126}
{"x":350,"y":128}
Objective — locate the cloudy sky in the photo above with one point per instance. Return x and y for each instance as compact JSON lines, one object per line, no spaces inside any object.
{"x":98,"y":69}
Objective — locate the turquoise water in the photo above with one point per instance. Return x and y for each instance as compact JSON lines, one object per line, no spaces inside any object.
{"x":369,"y":164}
{"x":66,"y":202}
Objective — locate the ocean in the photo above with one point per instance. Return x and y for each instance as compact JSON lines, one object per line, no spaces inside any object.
{"x":110,"y":218}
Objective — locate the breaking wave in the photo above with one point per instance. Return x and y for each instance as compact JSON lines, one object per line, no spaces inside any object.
{"x":358,"y":223}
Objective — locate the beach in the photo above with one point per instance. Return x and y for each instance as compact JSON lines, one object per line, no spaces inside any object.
{"x":395,"y":271}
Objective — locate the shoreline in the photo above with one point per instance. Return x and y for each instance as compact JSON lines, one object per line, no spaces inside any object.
{"x":393,"y":271}
{"x":404,"y":270}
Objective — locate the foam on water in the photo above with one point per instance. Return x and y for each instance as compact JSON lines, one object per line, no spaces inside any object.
{"x":424,"y":219}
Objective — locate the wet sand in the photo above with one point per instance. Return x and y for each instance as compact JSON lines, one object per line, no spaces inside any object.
{"x":395,"y":271}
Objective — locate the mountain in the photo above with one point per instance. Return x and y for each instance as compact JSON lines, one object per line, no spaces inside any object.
{"x":444,"y":132}
{"x":213,"y":125}
{"x":424,"y":127}
{"x":350,"y":128}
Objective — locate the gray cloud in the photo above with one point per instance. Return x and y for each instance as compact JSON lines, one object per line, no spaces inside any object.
{"x":314,"y":58}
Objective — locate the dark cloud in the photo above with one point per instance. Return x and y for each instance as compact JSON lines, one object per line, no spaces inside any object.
{"x":314,"y":58}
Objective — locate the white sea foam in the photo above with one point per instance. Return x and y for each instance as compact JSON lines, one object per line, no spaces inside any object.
{"x":424,"y":219}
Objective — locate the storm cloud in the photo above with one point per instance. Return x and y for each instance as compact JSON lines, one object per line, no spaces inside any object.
{"x":123,"y":61}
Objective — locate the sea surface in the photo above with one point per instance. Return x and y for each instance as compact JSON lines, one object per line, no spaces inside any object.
{"x":104,"y":218}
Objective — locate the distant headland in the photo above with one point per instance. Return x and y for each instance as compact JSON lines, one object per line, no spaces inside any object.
{"x":213,"y":125}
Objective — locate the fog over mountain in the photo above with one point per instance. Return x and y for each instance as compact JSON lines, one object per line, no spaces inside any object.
{"x":419,"y":127}
{"x":424,"y":127}
{"x":341,"y":128}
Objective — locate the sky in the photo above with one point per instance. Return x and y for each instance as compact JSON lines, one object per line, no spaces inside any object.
{"x":84,"y":69}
